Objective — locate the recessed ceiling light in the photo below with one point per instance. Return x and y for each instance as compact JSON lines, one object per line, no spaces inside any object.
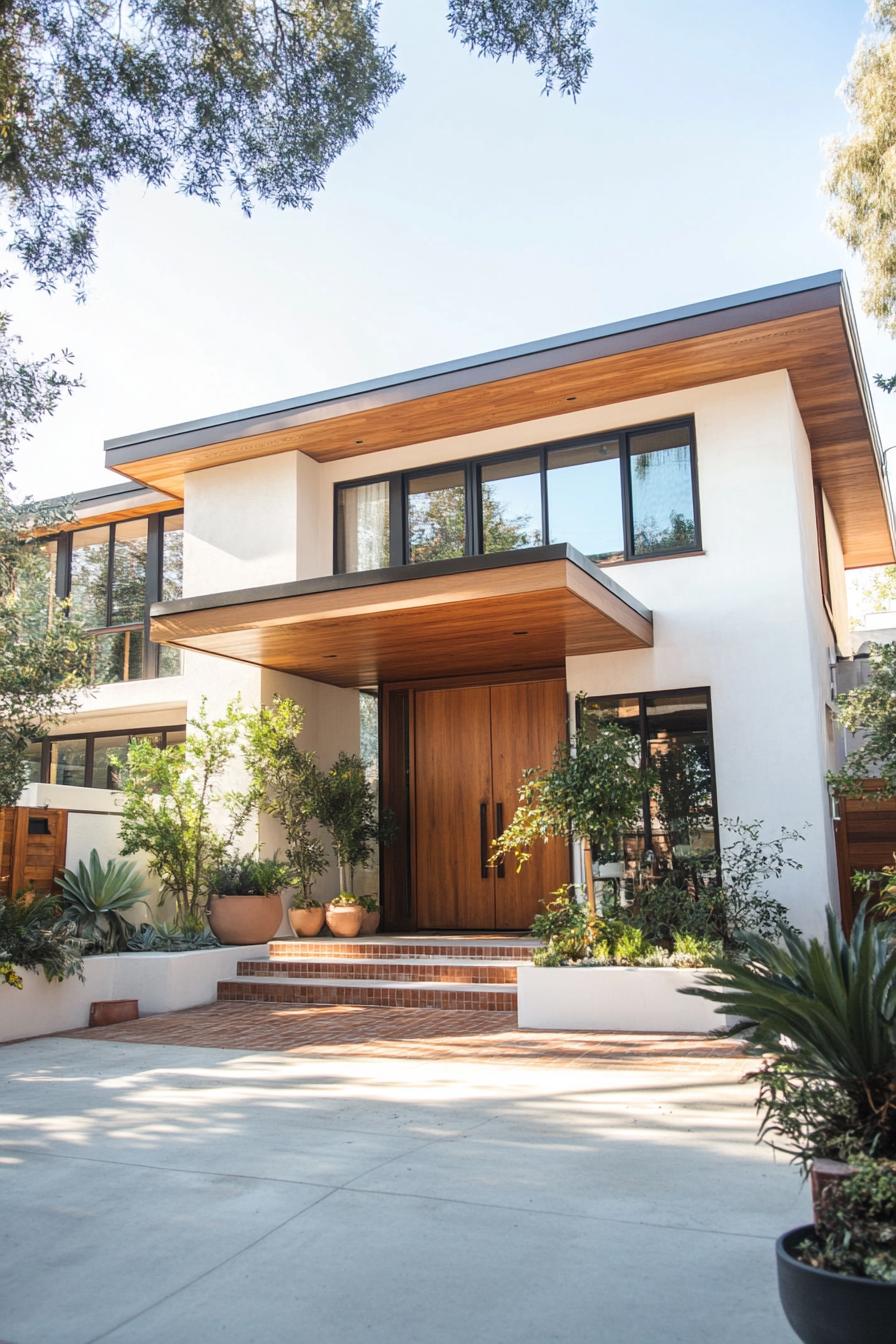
{"x":571,"y":398}
{"x":359,"y":441}
{"x":521,"y":632}
{"x":331,"y":655}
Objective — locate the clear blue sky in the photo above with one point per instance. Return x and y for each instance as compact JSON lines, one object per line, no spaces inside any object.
{"x":475,"y":214}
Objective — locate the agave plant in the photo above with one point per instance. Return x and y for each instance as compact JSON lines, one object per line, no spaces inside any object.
{"x":825,"y":1014}
{"x":95,"y":895}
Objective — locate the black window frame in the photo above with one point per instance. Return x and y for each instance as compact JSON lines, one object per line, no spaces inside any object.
{"x":642,"y":697}
{"x":155,"y":540}
{"x":471,"y":467}
{"x":90,"y":740}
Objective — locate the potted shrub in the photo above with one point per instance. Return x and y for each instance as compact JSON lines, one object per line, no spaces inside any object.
{"x":286,"y":784}
{"x":347,"y":809}
{"x":171,"y":795}
{"x":593,"y":791}
{"x":837,"y":1278}
{"x":824,"y":1017}
{"x":371,"y":921}
{"x":306,"y":916}
{"x":345,"y":914}
{"x":245,"y":903}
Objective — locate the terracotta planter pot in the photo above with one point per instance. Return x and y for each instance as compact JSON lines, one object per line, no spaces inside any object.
{"x":344,"y":921}
{"x":236,"y":920}
{"x":371,"y":922}
{"x":826,"y":1172}
{"x":306,"y":923}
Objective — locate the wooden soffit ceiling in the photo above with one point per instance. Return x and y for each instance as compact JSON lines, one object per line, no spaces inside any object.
{"x":479,"y":615}
{"x":805,"y":330}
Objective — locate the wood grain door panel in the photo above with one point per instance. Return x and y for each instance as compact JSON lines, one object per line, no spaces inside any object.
{"x":452,"y":749}
{"x":528,"y":719}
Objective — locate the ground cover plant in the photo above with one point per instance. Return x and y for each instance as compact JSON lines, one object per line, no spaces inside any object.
{"x":855,"y":1224}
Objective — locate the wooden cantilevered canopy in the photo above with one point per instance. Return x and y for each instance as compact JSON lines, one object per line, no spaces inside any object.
{"x":805,"y":327}
{"x":478,"y":615}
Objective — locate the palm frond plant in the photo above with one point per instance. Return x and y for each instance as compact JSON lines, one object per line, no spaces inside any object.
{"x":95,"y":896}
{"x":825,"y":1015}
{"x":33,"y":938}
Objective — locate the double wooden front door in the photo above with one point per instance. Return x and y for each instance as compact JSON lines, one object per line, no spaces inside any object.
{"x":471,"y":745}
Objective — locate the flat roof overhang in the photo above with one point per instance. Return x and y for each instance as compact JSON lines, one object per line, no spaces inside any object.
{"x":804,"y":326}
{"x":477,"y":615}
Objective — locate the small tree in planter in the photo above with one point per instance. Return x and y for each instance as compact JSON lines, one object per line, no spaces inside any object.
{"x":287,"y":784}
{"x":593,"y":790}
{"x":347,"y":809}
{"x":173,"y":796}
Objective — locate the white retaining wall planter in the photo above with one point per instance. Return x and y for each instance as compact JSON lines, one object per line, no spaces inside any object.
{"x":613,"y":998}
{"x":160,"y":981}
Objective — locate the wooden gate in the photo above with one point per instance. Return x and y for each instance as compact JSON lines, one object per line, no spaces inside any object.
{"x":866,"y":840}
{"x":32,"y":848}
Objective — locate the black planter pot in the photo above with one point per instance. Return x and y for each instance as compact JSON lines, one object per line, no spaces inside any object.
{"x":826,"y":1308}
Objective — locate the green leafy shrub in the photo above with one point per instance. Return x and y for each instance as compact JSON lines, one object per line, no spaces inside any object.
{"x":171,"y":796}
{"x":95,"y":896}
{"x":855,"y":1225}
{"x":34,"y":937}
{"x":345,"y":898}
{"x":246,"y":875}
{"x":825,"y":1014}
{"x":287,"y":784}
{"x":347,"y":808}
{"x":574,"y":936}
{"x":302,"y":902}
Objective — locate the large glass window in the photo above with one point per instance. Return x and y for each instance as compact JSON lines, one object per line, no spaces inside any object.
{"x":36,"y":587}
{"x":510,"y":500}
{"x":129,"y":572}
{"x":93,"y":759}
{"x":679,"y":824}
{"x":362,"y":527}
{"x":34,"y":761}
{"x":437,"y":516}
{"x":626,"y":495}
{"x":585,"y":498}
{"x":68,"y":761}
{"x":115,"y":573}
{"x":90,"y":577}
{"x":662,"y":491}
{"x":172,"y":586}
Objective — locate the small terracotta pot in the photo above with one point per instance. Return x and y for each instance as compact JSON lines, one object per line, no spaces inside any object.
{"x":344,"y":921}
{"x":371,"y":921}
{"x":106,"y":1012}
{"x":307,"y":922}
{"x":236,"y":920}
{"x":825,"y":1171}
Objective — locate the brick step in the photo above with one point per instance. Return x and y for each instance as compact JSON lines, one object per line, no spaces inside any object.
{"x":394,"y":949}
{"x":452,"y":970}
{"x":368,"y":993}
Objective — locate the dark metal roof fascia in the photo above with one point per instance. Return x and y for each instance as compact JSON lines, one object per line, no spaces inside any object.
{"x":773,"y":301}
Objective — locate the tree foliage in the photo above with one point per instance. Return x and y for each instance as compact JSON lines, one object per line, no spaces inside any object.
{"x":593,"y":790}
{"x":287,"y":783}
{"x":220,"y":95}
{"x":871,"y":711}
{"x":42,"y":652}
{"x":862,"y":177}
{"x":178,"y":810}
{"x":347,"y":808}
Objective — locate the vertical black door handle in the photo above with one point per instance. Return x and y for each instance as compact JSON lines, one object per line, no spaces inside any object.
{"x":499,"y":830}
{"x":483,"y":838}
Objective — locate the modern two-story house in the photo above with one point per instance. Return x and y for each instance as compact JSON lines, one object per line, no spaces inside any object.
{"x":657,"y":513}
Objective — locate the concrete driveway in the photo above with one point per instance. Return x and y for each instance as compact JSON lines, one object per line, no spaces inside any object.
{"x":158,"y":1192}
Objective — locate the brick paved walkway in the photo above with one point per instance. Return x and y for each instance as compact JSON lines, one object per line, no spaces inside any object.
{"x":407,"y":1033}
